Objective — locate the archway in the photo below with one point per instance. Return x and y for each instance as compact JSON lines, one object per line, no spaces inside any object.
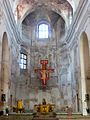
{"x":5,"y":70}
{"x":84,"y":64}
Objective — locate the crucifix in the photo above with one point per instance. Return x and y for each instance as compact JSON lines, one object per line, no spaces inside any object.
{"x":44,"y":72}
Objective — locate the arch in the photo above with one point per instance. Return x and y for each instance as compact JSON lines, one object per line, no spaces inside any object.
{"x":42,"y":32}
{"x":84,"y":65}
{"x":5,"y":67}
{"x":53,"y":8}
{"x":72,"y":3}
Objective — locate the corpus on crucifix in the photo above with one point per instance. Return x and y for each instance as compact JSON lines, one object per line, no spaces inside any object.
{"x":44,"y":72}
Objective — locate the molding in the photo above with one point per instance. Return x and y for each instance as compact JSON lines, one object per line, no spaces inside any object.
{"x":78,"y":24}
{"x":10,"y":20}
{"x":79,"y":27}
{"x":76,"y":20}
{"x":1,"y":14}
{"x":70,"y":33}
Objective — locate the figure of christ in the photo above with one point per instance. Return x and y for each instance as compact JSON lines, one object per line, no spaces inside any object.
{"x":44,"y":76}
{"x":44,"y":72}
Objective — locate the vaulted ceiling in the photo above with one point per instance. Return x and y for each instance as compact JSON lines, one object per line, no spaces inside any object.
{"x":61,"y":7}
{"x":41,"y":13}
{"x":28,"y":12}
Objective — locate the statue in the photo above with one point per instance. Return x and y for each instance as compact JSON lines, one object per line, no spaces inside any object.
{"x":20,"y":106}
{"x":44,"y":101}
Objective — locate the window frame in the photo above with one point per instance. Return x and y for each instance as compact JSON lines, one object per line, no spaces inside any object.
{"x":23,"y":59}
{"x":49,"y":29}
{"x":43,"y":31}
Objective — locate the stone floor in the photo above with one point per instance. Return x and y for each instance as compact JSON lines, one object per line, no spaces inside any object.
{"x":74,"y":118}
{"x":30,"y":117}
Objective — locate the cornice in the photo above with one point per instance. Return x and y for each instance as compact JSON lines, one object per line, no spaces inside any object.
{"x":77,"y":25}
{"x":80,"y":26}
{"x":71,"y":32}
{"x":88,"y":10}
{"x":1,"y":14}
{"x":10,"y":20}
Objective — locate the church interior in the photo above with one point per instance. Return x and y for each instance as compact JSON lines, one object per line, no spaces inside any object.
{"x":44,"y":54}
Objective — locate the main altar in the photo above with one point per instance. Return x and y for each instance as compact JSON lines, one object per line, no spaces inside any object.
{"x":44,"y":111}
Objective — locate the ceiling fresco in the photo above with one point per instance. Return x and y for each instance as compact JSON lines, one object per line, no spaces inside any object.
{"x":61,"y":7}
{"x":39,"y":14}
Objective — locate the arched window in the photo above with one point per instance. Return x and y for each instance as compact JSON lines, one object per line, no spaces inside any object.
{"x":43,"y":31}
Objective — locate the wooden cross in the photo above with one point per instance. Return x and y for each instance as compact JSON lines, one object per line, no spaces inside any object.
{"x":44,"y":72}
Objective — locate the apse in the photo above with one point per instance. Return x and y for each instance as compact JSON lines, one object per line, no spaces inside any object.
{"x":42,"y":16}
